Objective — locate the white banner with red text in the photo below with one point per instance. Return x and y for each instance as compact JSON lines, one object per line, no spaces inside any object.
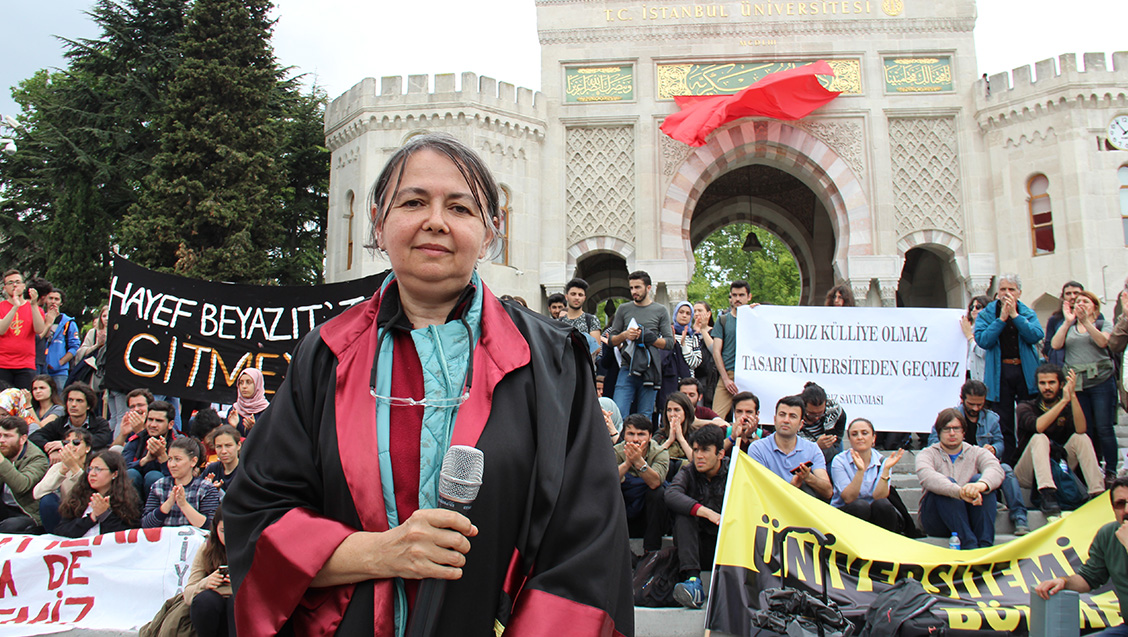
{"x":116,"y":581}
{"x":898,"y":367}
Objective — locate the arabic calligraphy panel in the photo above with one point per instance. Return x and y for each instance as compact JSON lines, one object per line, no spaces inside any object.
{"x":732,"y":77}
{"x":918,"y":75}
{"x":599,"y":84}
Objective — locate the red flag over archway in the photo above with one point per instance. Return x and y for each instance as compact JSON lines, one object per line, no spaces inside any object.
{"x":789,"y":95}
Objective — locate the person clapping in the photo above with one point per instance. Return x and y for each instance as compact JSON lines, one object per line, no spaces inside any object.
{"x":104,"y":502}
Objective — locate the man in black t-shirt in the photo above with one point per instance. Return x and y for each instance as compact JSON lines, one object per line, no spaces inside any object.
{"x":1054,"y":417}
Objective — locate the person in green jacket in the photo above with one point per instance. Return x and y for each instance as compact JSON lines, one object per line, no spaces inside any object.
{"x":22,"y":466}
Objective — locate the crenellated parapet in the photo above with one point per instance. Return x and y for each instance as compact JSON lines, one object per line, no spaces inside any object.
{"x":482,"y":102}
{"x":1020,"y":111}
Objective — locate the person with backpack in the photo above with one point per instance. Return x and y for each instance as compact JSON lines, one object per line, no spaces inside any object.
{"x":1051,"y":427}
{"x":1083,"y":336}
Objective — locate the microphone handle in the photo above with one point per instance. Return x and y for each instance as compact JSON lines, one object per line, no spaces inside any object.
{"x":429,"y":598}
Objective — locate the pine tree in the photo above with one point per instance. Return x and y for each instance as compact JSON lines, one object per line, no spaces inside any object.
{"x":207,"y":210}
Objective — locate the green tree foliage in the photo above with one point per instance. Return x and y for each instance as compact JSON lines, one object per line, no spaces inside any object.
{"x":111,"y":127}
{"x":772,"y":272}
{"x":206,"y":211}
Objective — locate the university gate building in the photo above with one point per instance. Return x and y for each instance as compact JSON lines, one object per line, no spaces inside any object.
{"x":916,"y":186}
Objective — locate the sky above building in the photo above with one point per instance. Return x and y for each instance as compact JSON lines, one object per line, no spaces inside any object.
{"x":337,"y":43}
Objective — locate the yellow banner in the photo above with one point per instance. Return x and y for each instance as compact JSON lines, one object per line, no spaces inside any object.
{"x":981,"y":589}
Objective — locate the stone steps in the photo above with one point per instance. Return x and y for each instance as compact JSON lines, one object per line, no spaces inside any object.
{"x":680,"y":622}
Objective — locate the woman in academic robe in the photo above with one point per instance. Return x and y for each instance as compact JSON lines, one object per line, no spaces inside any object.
{"x":333,"y":520}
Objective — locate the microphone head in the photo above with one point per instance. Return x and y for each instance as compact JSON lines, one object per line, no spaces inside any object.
{"x":461,"y":474}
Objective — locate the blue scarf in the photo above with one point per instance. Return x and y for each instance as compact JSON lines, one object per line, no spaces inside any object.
{"x":444,"y":353}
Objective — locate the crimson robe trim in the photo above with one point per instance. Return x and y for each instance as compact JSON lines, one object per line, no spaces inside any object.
{"x":353,"y":337}
{"x":318,"y":538}
{"x":539,"y":613}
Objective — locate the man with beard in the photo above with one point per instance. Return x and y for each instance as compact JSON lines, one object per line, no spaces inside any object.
{"x":824,"y":421}
{"x":1108,"y":560}
{"x":555,"y":305}
{"x":724,"y":348}
{"x":795,"y":459}
{"x":745,"y":421}
{"x":641,"y":328}
{"x":691,"y":387}
{"x":983,"y":428}
{"x":575,"y":293}
{"x":146,"y":455}
{"x":695,"y":498}
{"x":79,"y":400}
{"x":1054,"y":418}
{"x":133,"y":420}
{"x":22,"y":466}
{"x":643,"y":465}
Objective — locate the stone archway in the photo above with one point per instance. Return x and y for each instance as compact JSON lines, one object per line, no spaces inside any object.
{"x":604,"y":263}
{"x":788,"y":149}
{"x":933,"y":270}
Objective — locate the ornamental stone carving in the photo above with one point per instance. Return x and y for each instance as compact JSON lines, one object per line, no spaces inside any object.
{"x":600,"y":191}
{"x":844,"y":137}
{"x":926,"y":174}
{"x":673,"y":154}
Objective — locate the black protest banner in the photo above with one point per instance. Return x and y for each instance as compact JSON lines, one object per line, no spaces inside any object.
{"x":190,"y":338}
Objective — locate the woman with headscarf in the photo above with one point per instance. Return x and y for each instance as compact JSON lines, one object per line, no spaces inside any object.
{"x":681,"y":361}
{"x":334,"y":519}
{"x":251,"y":400}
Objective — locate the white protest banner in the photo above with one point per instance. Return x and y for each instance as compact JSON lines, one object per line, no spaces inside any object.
{"x":116,"y":581}
{"x":895,"y":366}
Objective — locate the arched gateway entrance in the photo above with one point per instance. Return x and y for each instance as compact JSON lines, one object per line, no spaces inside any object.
{"x":782,"y":178}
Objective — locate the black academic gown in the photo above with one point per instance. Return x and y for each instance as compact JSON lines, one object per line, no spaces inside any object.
{"x":551,"y":556}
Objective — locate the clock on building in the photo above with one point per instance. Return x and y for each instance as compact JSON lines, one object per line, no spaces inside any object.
{"x":1118,"y":132}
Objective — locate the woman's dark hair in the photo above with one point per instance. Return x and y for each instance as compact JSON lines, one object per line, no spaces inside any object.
{"x":687,"y":408}
{"x":123,"y":496}
{"x":980,"y":300}
{"x":189,"y":446}
{"x":473,"y":170}
{"x":857,"y":420}
{"x":813,"y":394}
{"x":223,"y":430}
{"x":213,"y":550}
{"x":847,"y":296}
{"x":55,"y":397}
{"x":946,"y":416}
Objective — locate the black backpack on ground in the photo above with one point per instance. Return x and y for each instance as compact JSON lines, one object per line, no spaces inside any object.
{"x":901,"y":611}
{"x":655,"y":577}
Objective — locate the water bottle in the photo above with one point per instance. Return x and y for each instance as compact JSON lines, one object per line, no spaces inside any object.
{"x":954,"y":542}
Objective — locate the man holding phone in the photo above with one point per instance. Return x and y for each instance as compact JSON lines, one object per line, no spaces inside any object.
{"x":745,"y":422}
{"x":795,"y":459}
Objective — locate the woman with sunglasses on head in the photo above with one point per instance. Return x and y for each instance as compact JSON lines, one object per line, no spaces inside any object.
{"x":104,"y":502}
{"x":68,"y":468}
{"x":349,"y":522}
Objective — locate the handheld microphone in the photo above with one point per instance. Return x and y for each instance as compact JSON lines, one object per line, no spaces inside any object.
{"x":459,"y":481}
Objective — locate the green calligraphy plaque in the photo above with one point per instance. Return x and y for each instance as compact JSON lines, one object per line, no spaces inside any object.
{"x":918,"y":75}
{"x":726,"y":79}
{"x":599,"y":84}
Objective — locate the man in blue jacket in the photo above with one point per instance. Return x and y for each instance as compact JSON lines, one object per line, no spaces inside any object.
{"x":1008,"y":330}
{"x":62,"y":340}
{"x":983,"y":428}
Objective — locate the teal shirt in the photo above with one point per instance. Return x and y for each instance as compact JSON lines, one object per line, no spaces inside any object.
{"x":728,"y":334}
{"x":1108,"y":559}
